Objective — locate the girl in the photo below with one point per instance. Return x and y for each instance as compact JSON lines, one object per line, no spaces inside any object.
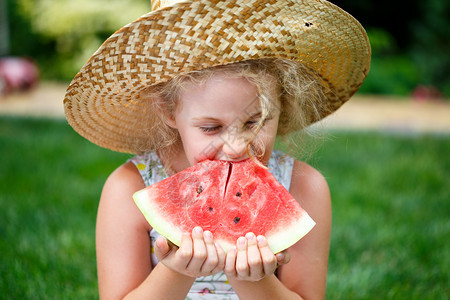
{"x":214,"y":80}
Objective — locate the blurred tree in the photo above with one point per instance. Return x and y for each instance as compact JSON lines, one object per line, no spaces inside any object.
{"x":4,"y":28}
{"x":392,"y":16}
{"x":415,"y":37}
{"x":391,"y":71}
{"x":431,"y":49}
{"x":73,"y":30}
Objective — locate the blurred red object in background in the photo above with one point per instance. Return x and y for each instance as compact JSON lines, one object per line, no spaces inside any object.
{"x":17,"y":74}
{"x":423,"y":93}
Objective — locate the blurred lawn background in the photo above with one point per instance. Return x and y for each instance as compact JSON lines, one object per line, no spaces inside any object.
{"x":390,"y":192}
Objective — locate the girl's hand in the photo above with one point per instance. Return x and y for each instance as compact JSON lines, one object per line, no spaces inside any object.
{"x":197,"y":255}
{"x":252,"y":259}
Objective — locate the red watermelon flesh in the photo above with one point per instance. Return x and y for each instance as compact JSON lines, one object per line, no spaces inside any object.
{"x":229,"y":199}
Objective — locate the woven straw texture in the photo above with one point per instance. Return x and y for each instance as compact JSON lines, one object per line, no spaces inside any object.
{"x":102,"y":105}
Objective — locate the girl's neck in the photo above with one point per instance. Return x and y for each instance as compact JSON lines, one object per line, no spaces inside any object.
{"x":173,"y":159}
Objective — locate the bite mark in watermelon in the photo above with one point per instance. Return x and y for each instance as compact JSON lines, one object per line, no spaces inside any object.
{"x":229,"y":199}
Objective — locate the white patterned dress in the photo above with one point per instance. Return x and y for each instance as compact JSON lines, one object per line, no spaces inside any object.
{"x":215,"y":286}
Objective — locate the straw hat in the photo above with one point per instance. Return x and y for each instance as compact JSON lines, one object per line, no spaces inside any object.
{"x":178,"y":37}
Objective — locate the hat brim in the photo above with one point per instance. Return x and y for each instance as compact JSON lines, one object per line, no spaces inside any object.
{"x":101,"y":103}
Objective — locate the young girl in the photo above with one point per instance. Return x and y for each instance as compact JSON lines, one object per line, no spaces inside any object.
{"x":214,"y":80}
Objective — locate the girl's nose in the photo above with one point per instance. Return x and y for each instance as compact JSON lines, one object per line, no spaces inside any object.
{"x":234,"y":147}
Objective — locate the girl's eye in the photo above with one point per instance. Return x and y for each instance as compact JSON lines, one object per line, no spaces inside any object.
{"x":250,"y":124}
{"x":210,"y":129}
{"x":253,"y":123}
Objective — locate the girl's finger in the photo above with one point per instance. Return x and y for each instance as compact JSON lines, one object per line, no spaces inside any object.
{"x":242,"y":268}
{"x":184,"y":253}
{"x":254,"y":257}
{"x":230,"y":263}
{"x":212,"y":258}
{"x":221,"y":256}
{"x":269,"y":260}
{"x":162,"y":248}
{"x":283,"y":258}
{"x":199,"y":251}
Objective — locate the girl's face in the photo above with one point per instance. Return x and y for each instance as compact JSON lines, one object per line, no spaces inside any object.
{"x":217,"y":119}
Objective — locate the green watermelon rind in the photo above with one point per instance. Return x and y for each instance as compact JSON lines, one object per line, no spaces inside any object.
{"x":285,"y":237}
{"x":278,"y":240}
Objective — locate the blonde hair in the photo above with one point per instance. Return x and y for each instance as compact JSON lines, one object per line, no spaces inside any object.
{"x":282,"y":84}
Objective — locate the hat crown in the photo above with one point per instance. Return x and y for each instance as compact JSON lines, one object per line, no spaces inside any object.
{"x":160,"y":4}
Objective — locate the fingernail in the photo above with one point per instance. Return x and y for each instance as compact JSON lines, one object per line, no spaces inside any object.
{"x":207,"y":236}
{"x":250,"y":236}
{"x":198,"y":230}
{"x":261,"y":239}
{"x":241,"y":241}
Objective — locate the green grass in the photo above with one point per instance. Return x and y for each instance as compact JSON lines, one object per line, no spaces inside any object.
{"x":50,"y":183}
{"x":391,"y":212}
{"x":391,"y":216}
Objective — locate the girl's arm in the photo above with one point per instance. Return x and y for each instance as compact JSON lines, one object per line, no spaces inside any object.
{"x":305,"y":276}
{"x":123,"y":245}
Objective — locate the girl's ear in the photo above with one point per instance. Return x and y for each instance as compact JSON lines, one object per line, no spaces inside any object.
{"x":157,"y":104}
{"x":170,"y":120}
{"x":167,"y":117}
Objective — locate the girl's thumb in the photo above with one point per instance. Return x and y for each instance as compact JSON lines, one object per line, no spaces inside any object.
{"x":162,"y":247}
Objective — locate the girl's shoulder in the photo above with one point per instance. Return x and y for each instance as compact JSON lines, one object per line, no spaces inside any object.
{"x":306,"y":178}
{"x":295,"y":175}
{"x":311,"y":190}
{"x":126,"y":175}
{"x":116,"y":198}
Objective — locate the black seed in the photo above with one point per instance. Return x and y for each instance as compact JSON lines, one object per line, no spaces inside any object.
{"x":210,"y":208}
{"x":238,"y":194}
{"x":307,"y":24}
{"x":236,"y":220}
{"x":199,"y":189}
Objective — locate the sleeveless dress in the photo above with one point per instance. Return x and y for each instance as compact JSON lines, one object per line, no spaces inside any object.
{"x":214,"y":287}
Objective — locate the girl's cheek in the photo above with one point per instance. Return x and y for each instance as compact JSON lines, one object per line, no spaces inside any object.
{"x":205,"y":151}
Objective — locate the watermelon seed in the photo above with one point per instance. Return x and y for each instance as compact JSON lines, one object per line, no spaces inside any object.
{"x":238,"y":194}
{"x":236,"y":220}
{"x":210,"y":208}
{"x":199,"y":189}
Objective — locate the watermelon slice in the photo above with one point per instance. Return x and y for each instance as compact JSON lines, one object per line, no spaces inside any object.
{"x":229,"y":199}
